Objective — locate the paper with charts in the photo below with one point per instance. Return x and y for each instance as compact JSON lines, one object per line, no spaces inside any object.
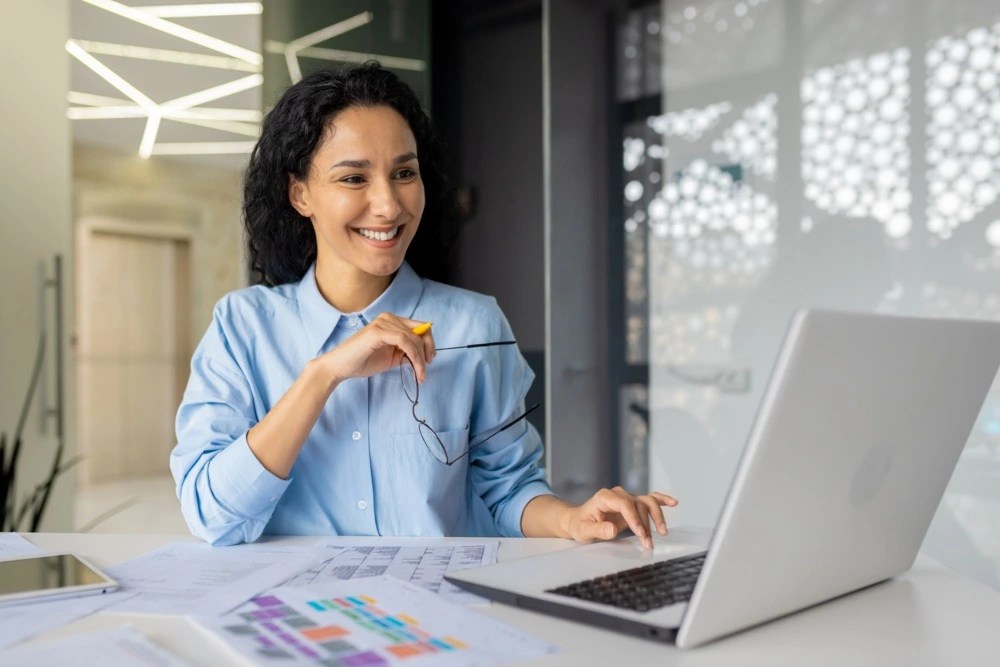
{"x":372,"y":622}
{"x":420,"y":561}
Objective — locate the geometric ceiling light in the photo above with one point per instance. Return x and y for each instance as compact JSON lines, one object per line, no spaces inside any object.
{"x":291,"y":49}
{"x":306,"y":47}
{"x":187,"y":108}
{"x":140,"y":15}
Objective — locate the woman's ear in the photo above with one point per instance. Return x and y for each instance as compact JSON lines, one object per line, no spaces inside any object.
{"x":298,"y":196}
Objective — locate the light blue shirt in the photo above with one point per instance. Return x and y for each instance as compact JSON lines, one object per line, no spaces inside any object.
{"x":364,"y":469}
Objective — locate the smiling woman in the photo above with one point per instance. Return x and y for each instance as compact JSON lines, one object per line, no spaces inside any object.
{"x":298,"y":134}
{"x":366,"y":206}
{"x":290,"y":423}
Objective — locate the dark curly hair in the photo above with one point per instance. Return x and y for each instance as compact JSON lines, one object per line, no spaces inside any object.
{"x":281,"y":243}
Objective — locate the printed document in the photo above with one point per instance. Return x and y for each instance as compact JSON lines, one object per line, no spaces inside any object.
{"x":123,"y":647}
{"x":373,"y":622}
{"x":420,"y":561}
{"x":192,"y":578}
{"x":23,"y":621}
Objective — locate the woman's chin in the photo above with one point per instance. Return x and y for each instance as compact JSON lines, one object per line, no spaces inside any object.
{"x":383,"y":267}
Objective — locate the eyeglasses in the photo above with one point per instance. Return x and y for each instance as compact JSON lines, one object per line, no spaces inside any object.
{"x":432,"y":441}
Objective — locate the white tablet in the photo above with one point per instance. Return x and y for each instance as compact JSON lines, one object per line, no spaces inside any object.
{"x":31,"y":578}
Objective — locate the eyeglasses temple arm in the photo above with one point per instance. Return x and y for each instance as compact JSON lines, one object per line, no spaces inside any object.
{"x":463,"y":347}
{"x":499,"y":430}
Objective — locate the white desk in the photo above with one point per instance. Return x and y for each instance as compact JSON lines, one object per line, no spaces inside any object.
{"x":928,"y":616}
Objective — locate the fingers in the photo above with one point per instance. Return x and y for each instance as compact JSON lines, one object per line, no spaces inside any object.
{"x":597,"y":530}
{"x":621,"y":502}
{"x":651,"y":508}
{"x":428,"y":339}
{"x":664,"y":499}
{"x":641,"y":510}
{"x":398,"y":331}
{"x":426,"y":335}
{"x":620,"y":509}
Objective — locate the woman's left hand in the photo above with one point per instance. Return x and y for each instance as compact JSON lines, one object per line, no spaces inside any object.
{"x":610,"y":511}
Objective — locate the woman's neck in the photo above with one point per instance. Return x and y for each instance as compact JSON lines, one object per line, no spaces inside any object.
{"x":349,"y":290}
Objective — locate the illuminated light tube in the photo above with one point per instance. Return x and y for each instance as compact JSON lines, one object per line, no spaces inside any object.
{"x":233,"y":127}
{"x":204,"y":148}
{"x":99,"y":106}
{"x":134,"y":111}
{"x":149,"y":136}
{"x":186,"y":117}
{"x":212,"y":9}
{"x":166,"y":56}
{"x":91,"y":100}
{"x":103,"y":71}
{"x":105,"y":113}
{"x":214,"y":93}
{"x":331,"y":31}
{"x":338,"y":55}
{"x":179,"y":31}
{"x":292,"y":48}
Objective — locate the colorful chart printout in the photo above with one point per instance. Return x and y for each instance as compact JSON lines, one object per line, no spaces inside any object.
{"x":369,"y":623}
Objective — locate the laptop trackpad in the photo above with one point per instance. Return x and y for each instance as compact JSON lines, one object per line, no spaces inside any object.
{"x":678,"y":542}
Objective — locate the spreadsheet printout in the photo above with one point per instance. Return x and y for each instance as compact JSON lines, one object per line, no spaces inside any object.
{"x":422,"y":562}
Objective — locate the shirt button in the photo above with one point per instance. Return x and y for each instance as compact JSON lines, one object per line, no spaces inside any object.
{"x":353,"y":320}
{"x":356,"y":435}
{"x":362,"y":505}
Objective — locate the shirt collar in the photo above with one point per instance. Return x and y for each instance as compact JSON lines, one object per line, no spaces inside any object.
{"x":319,"y":318}
{"x":400,"y":298}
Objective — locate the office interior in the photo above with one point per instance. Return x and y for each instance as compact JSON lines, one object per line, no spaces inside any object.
{"x":649,"y":190}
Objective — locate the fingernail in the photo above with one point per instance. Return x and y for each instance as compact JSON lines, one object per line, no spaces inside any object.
{"x":663,"y":530}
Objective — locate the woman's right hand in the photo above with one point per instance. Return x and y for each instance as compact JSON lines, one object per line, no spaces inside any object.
{"x":379,"y":346}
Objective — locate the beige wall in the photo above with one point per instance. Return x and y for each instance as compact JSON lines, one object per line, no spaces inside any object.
{"x":35,"y":224}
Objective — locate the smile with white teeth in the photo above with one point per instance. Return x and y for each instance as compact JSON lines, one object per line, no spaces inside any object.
{"x":378,"y":236}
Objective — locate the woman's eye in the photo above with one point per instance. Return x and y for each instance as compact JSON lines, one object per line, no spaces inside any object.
{"x":406,"y":174}
{"x":354,"y":179}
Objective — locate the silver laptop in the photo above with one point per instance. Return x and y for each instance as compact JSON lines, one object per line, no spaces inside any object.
{"x":856,"y":437}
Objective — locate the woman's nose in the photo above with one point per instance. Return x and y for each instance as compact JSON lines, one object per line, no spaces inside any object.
{"x":385,"y":202}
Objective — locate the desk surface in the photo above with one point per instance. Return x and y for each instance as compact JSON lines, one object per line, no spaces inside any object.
{"x":928,"y":616}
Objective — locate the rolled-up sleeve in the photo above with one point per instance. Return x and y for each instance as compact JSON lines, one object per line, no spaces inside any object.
{"x":226,"y":495}
{"x":505,"y":471}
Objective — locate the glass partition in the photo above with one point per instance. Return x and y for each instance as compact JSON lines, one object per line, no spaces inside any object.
{"x":816,"y":152}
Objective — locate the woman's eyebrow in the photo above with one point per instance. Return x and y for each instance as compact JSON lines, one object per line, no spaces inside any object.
{"x":366,"y":164}
{"x":353,"y":164}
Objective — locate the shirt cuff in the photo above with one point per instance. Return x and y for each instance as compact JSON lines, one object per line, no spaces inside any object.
{"x":242,"y":483}
{"x":509,"y":521}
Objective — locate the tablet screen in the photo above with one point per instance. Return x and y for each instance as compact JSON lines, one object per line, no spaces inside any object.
{"x":40,"y":573}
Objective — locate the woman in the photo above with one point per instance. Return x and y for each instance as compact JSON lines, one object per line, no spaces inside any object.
{"x":317,"y":402}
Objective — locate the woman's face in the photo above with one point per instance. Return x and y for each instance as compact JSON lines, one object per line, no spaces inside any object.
{"x":363,"y":192}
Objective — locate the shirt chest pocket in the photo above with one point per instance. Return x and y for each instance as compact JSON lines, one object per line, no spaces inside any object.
{"x":427,"y":496}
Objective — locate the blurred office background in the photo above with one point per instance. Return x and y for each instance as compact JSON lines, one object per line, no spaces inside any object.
{"x":651,"y":189}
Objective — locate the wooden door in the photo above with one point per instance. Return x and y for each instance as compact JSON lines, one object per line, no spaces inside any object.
{"x":132,"y":351}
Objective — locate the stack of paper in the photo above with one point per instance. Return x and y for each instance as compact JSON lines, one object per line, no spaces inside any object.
{"x":352,"y":602}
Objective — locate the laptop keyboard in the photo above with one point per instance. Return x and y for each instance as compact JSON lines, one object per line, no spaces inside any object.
{"x":643,"y":588}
